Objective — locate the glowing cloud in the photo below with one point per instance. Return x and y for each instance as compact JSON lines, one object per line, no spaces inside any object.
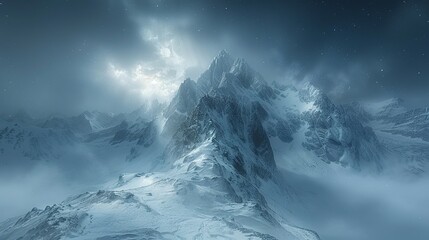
{"x":157,"y":78}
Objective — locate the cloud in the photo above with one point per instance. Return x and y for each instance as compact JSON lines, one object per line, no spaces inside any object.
{"x":158,"y":77}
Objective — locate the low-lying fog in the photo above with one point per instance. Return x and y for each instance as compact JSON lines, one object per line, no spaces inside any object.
{"x":26,"y":183}
{"x":355,"y":207}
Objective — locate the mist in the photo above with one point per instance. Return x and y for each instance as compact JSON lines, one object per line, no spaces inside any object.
{"x":25,"y":190}
{"x":50,"y":181}
{"x":346,"y":205}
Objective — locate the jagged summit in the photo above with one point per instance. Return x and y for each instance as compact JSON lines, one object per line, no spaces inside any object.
{"x":223,"y":54}
{"x":210,"y":79}
{"x":226,"y":71}
{"x":247,"y":76}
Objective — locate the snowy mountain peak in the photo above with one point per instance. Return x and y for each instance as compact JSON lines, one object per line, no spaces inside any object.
{"x":223,"y":58}
{"x":223,"y":54}
{"x":225,"y":140}
{"x":210,"y":79}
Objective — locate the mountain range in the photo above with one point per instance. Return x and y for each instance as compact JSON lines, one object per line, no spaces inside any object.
{"x":209,"y":165}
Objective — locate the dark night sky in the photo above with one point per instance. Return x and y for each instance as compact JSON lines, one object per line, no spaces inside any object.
{"x":68,"y":56}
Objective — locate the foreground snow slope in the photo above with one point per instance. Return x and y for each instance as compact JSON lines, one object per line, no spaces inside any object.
{"x":151,"y":206}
